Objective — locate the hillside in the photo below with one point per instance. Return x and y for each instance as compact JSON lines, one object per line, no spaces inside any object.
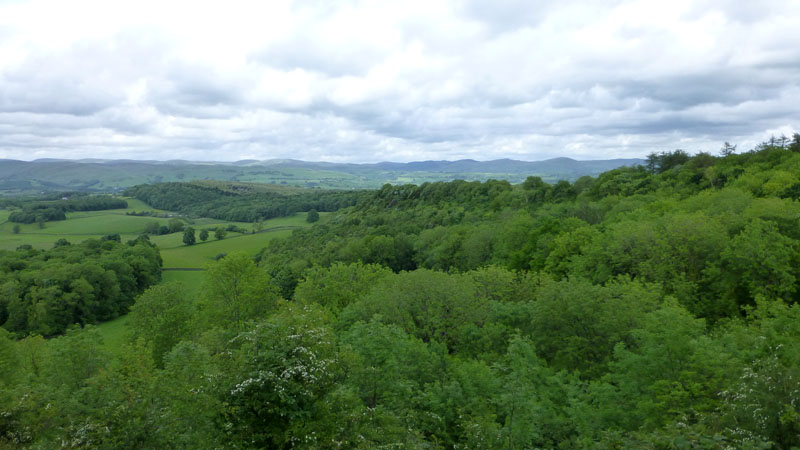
{"x":116,"y":175}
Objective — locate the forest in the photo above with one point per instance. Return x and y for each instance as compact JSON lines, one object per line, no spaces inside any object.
{"x":44,"y":292}
{"x":240,"y":201}
{"x":652,"y":306}
{"x":45,"y":211}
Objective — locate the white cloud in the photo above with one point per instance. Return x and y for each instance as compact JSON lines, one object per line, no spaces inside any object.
{"x":412,"y":80}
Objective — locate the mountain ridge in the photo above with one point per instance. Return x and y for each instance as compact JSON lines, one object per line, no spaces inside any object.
{"x":107,"y":175}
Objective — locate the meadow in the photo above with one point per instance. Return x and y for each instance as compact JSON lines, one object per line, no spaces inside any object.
{"x":80,"y":226}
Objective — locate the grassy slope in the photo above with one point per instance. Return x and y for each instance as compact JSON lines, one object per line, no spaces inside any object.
{"x":80,"y":226}
{"x":176,"y":254}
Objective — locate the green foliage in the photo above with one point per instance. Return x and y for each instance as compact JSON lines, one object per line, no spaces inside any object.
{"x":236,"y":291}
{"x":46,"y":291}
{"x":275,"y":375}
{"x":239,"y":202}
{"x":432,"y":306}
{"x":56,"y":210}
{"x":337,"y":286}
{"x":639,"y":309}
{"x":220,"y":233}
{"x":188,"y":236}
{"x":162,"y":316}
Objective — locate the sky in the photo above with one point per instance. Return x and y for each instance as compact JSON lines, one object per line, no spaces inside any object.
{"x":410,"y":80}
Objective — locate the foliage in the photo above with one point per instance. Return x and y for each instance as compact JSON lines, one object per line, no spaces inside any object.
{"x":241,"y":204}
{"x":56,"y":210}
{"x":46,"y":291}
{"x":639,"y":309}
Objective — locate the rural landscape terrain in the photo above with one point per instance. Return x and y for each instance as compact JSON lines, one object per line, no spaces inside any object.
{"x":652,"y":305}
{"x":115,"y":175}
{"x":400,"y":225}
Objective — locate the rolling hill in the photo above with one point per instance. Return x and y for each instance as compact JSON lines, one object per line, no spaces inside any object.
{"x":115,"y":175}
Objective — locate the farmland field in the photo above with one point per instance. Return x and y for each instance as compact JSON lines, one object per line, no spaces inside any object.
{"x":83,"y":225}
{"x":175,"y":254}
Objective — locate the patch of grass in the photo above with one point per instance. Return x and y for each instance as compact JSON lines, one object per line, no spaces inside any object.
{"x":198,"y":255}
{"x":100,"y":224}
{"x":176,"y":254}
{"x":193,"y":280}
{"x":135,"y":204}
{"x":113,"y":333}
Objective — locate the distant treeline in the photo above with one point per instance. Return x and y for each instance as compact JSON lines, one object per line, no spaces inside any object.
{"x":45,"y":291}
{"x":45,"y":211}
{"x":207,"y":201}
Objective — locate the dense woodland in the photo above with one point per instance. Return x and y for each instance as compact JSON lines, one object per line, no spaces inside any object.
{"x":45,"y":291}
{"x":240,"y":203}
{"x":650,"y":307}
{"x":46,"y":211}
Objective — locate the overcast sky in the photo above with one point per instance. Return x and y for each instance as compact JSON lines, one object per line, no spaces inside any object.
{"x":394,"y":81}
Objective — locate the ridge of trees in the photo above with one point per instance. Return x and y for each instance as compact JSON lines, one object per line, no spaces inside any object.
{"x":56,"y":209}
{"x":204,"y":200}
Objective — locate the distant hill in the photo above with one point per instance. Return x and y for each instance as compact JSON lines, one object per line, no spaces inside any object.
{"x":114,"y":175}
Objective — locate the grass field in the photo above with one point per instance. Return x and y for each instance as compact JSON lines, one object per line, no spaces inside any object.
{"x":80,"y":226}
{"x":202,"y":253}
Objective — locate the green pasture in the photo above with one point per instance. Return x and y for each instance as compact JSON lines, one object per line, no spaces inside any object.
{"x":176,"y":254}
{"x":83,"y":225}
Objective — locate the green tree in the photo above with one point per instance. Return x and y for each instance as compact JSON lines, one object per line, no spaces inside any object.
{"x":10,"y":357}
{"x":162,"y":316}
{"x":575,"y":325}
{"x":188,"y":236}
{"x":534,"y":400}
{"x":203,"y":235}
{"x":152,"y":227}
{"x":16,"y":228}
{"x":276,"y":375}
{"x":432,"y":306}
{"x":220,"y":233}
{"x":175,"y":225}
{"x":312,"y":216}
{"x":235,"y":290}
{"x":337,"y":286}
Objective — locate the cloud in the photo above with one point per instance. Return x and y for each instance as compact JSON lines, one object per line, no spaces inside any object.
{"x":366,"y":81}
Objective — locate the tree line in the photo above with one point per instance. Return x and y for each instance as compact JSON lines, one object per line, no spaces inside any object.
{"x":45,"y":211}
{"x":198,"y":200}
